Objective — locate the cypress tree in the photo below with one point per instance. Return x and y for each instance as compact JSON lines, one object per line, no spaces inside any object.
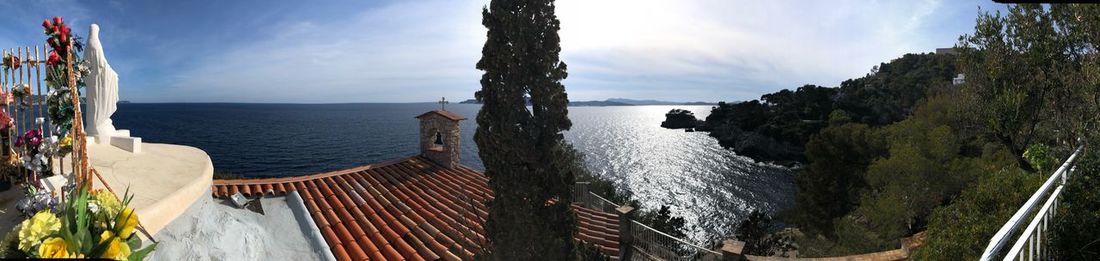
{"x":522,"y":148}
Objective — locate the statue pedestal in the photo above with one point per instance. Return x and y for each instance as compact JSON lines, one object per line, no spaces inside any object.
{"x":120,"y":139}
{"x":54,"y":183}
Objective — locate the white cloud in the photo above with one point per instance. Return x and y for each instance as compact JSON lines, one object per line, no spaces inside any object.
{"x":679,"y":50}
{"x":401,"y":52}
{"x":735,"y":44}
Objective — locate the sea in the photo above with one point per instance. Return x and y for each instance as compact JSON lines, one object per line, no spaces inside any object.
{"x":712,"y":188}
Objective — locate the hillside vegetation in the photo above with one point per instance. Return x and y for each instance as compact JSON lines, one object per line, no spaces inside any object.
{"x":902,"y":150}
{"x":777,"y":127}
{"x":963,"y":158}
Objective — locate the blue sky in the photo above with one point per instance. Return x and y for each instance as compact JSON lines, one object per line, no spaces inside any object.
{"x":414,"y":51}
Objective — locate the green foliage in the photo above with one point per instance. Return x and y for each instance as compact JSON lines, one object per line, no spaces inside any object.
{"x":775,"y":127}
{"x":1076,"y":232}
{"x":756,"y":231}
{"x":521,"y":148}
{"x":961,"y":230}
{"x":1030,"y":83}
{"x":925,"y":165}
{"x":778,"y":125}
{"x":957,"y":165}
{"x":680,"y":118}
{"x":1040,"y":158}
{"x":867,"y":187}
{"x":663,"y":220}
{"x":839,"y":117}
{"x":590,"y":252}
{"x":1029,"y":73}
{"x":892,"y":90}
{"x":9,"y":248}
{"x":829,"y":186}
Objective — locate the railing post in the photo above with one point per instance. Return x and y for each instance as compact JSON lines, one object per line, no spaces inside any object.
{"x":580,"y":193}
{"x":626,"y":236}
{"x":731,"y":250}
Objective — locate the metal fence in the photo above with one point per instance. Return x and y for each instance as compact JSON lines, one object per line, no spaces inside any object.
{"x":582,"y":195}
{"x":648,"y":243}
{"x":651,"y":244}
{"x":1031,"y":243}
{"x":23,"y":74}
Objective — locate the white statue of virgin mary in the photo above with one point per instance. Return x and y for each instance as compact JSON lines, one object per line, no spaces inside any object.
{"x":102,"y":82}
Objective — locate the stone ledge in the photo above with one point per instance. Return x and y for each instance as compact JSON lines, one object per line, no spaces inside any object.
{"x":165,"y":179}
{"x":120,"y":139}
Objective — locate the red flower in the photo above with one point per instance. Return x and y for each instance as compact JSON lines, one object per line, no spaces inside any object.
{"x":64,"y":29}
{"x":57,"y":29}
{"x":5,"y":120}
{"x":46,"y":23}
{"x":54,"y":58}
{"x":64,"y":38}
{"x":57,"y":19}
{"x":13,"y":62}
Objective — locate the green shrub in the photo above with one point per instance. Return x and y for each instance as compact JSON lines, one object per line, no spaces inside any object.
{"x":1076,"y":230}
{"x":961,"y":230}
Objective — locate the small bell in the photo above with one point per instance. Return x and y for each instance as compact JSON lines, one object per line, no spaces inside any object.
{"x":438,"y":138}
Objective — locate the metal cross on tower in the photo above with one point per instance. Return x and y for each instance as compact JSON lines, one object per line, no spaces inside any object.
{"x":443,"y":103}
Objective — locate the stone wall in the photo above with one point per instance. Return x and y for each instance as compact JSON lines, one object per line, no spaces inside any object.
{"x":731,"y":252}
{"x":446,"y":154}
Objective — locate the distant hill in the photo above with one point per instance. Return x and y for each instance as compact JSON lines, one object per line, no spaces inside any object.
{"x":616,"y":102}
{"x":657,"y":102}
{"x":598,"y":103}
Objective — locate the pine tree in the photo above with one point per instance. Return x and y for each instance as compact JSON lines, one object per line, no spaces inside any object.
{"x":522,"y":148}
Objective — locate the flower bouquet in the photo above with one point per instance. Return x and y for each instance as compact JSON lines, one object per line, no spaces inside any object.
{"x":36,"y":150}
{"x":64,"y":46}
{"x":11,"y":62}
{"x":81,"y":223}
{"x":87,"y":224}
{"x":22,"y":94}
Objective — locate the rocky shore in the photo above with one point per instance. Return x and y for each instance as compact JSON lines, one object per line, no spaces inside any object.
{"x":745,"y":143}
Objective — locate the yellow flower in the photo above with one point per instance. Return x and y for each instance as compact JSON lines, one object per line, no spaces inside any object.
{"x":107,"y":202}
{"x":127,"y":220}
{"x":38,"y":227}
{"x":66,"y":142}
{"x":55,"y":247}
{"x":116,"y":249}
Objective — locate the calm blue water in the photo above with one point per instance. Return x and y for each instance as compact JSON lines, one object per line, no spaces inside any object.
{"x":710,"y":186}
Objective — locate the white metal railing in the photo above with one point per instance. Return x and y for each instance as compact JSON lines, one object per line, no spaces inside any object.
{"x":651,"y":244}
{"x":1033,"y":236}
{"x":582,"y":195}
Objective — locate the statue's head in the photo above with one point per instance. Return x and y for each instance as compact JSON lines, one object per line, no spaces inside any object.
{"x":93,"y":31}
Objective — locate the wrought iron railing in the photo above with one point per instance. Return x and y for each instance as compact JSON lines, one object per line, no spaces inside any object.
{"x":651,"y":244}
{"x":1031,"y":243}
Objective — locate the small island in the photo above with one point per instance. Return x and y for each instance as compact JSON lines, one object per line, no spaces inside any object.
{"x":682,"y":119}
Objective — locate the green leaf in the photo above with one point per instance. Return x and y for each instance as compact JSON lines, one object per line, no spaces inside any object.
{"x":101,"y":247}
{"x":134,"y":242}
{"x":140,"y":254}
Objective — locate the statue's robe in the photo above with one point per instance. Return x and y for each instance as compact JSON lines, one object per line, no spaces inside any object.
{"x":102,"y":83}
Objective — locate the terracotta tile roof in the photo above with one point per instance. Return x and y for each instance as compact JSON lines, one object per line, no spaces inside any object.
{"x":406,"y":209}
{"x":446,"y":114}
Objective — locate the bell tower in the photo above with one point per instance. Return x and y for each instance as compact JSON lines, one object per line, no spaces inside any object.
{"x":439,"y":137}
